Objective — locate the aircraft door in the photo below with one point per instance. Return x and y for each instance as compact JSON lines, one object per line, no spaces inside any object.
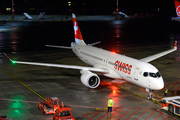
{"x":106,"y":62}
{"x":136,"y":72}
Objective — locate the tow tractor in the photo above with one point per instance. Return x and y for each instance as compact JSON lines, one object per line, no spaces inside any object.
{"x":64,"y":113}
{"x":49,"y":106}
{"x":171,"y":104}
{"x":4,"y":117}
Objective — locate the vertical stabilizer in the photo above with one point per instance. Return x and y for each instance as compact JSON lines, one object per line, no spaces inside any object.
{"x":175,"y":45}
{"x":177,"y":7}
{"x":77,"y":33}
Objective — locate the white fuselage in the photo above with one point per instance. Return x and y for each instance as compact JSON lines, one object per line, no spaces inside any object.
{"x":176,"y":19}
{"x":120,"y":66}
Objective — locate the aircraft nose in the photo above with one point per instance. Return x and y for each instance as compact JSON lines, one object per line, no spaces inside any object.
{"x":160,"y":83}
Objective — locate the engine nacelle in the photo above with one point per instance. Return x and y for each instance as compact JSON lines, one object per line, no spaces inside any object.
{"x":90,"y":79}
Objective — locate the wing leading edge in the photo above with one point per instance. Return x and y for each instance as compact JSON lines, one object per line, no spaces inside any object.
{"x":101,"y":70}
{"x":153,"y":57}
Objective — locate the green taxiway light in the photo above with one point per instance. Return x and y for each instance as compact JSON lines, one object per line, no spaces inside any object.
{"x":13,"y":62}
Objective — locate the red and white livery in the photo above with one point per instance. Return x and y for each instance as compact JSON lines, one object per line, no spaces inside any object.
{"x":177,"y":7}
{"x":115,"y":66}
{"x":171,"y":104}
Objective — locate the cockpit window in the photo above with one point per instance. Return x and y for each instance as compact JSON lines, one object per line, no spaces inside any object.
{"x":153,"y":75}
{"x":158,"y":74}
{"x":145,"y":74}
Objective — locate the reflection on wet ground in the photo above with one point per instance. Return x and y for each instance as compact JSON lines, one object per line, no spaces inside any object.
{"x":114,"y":34}
{"x":26,"y":41}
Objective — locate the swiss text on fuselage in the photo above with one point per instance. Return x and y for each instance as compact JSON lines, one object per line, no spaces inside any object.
{"x":126,"y":68}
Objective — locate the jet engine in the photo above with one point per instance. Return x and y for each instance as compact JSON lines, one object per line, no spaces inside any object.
{"x":90,"y":79}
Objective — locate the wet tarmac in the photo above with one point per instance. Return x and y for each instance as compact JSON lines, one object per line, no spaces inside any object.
{"x":21,"y":86}
{"x":57,"y":17}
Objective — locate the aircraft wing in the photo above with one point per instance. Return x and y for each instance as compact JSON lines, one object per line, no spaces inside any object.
{"x":70,"y":47}
{"x":101,"y":70}
{"x":153,"y":57}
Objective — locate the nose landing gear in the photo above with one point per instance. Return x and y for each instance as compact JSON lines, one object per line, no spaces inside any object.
{"x":150,"y":92}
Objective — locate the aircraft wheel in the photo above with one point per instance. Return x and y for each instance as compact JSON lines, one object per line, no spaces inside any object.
{"x":171,"y":109}
{"x":43,"y":112}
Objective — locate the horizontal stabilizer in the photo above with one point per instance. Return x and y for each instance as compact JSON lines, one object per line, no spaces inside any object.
{"x":95,"y":43}
{"x":59,"y":46}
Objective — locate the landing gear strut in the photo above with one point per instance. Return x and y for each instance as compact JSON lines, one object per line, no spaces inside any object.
{"x":150,"y":92}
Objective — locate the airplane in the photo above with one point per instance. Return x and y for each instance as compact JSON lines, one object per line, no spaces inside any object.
{"x":120,"y":14}
{"x":113,"y":65}
{"x":27,"y":16}
{"x":177,"y":7}
{"x":41,"y":15}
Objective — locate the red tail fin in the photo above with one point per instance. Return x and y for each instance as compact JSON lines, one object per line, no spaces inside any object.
{"x":177,"y":6}
{"x":77,"y":32}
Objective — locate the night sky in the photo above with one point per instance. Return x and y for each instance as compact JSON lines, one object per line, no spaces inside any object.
{"x":90,"y":7}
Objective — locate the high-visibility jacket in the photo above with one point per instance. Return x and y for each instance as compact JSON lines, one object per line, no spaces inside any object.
{"x":166,"y":90}
{"x":110,"y":103}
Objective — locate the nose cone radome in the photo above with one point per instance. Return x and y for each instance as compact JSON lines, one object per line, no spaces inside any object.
{"x":158,"y":84}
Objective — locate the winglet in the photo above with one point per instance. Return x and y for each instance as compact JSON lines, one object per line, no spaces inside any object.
{"x":9,"y":58}
{"x":175,"y":45}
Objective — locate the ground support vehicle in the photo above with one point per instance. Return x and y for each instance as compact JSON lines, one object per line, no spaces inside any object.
{"x":4,"y":117}
{"x":49,"y":106}
{"x":171,"y":104}
{"x":63,"y":113}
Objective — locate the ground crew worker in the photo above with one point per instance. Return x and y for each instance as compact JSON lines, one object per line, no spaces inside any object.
{"x":110,"y":105}
{"x":165,"y":92}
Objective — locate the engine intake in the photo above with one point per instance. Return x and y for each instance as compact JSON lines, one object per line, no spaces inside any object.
{"x":90,"y":79}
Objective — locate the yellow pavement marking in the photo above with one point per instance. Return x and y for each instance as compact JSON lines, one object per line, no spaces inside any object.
{"x":23,"y":84}
{"x":125,"y":88}
{"x":121,"y":87}
{"x":138,"y":94}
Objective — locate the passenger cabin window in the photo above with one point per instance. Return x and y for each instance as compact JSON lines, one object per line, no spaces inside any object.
{"x":145,"y":74}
